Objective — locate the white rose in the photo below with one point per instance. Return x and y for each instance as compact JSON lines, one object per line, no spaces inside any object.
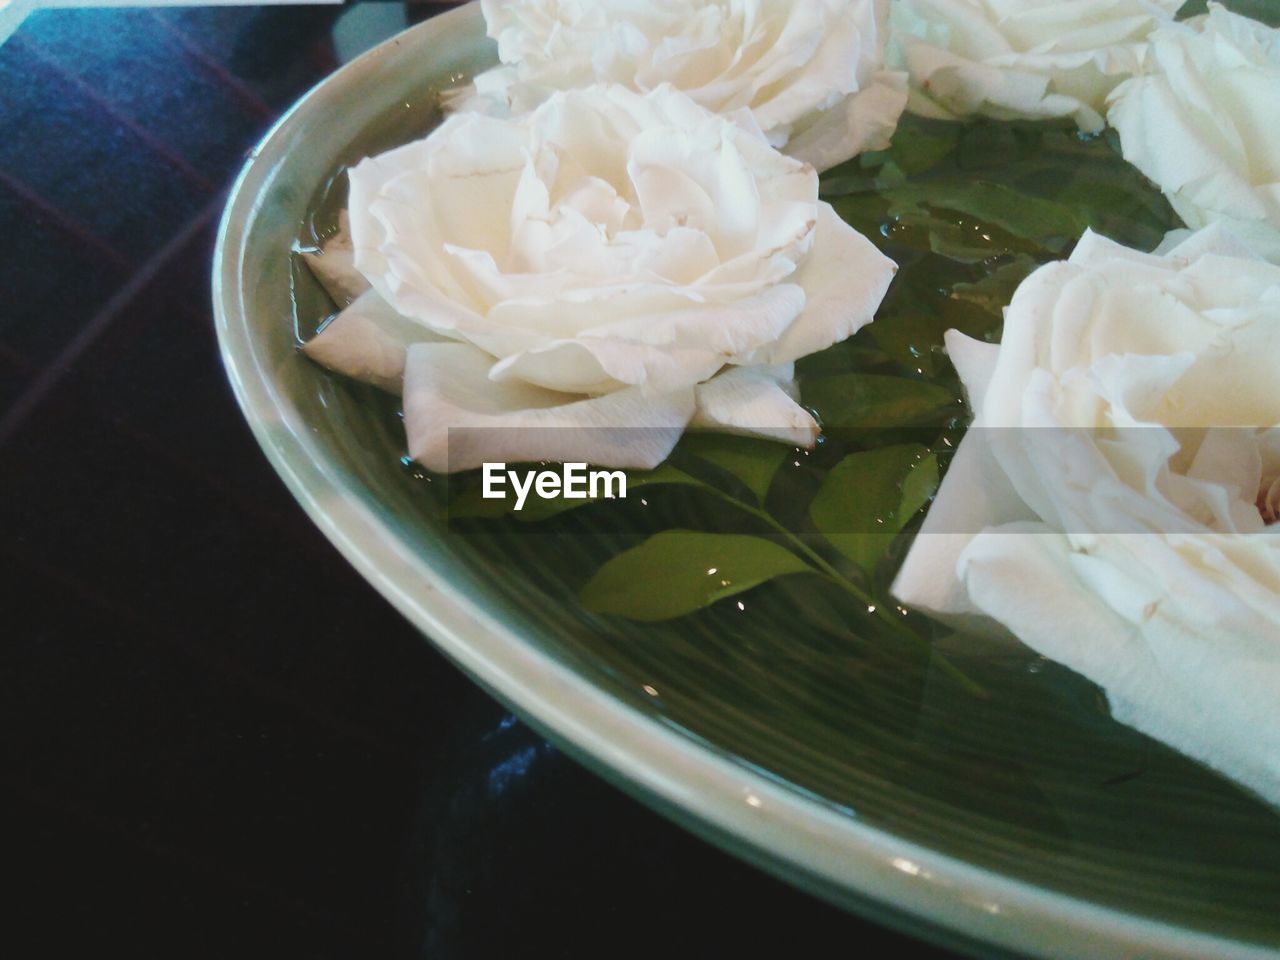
{"x":1020,"y":59}
{"x":811,"y":74}
{"x":610,"y":260}
{"x":1136,"y":549}
{"x":1202,"y":118}
{"x":1261,"y":238}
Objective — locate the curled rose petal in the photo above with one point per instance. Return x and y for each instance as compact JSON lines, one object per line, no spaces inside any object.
{"x":844,"y":279}
{"x":368,"y":341}
{"x":755,"y":402}
{"x":334,"y":265}
{"x":857,"y":124}
{"x":1254,"y":236}
{"x":456,"y":418}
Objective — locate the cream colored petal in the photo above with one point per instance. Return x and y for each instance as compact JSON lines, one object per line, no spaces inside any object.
{"x":975,"y":361}
{"x":731,"y":329}
{"x":848,"y":50}
{"x":457,"y":418}
{"x":368,"y":341}
{"x":664,"y":349}
{"x":975,"y":495}
{"x":1177,"y":152}
{"x":755,"y":402}
{"x":862,"y":121}
{"x":844,"y":279}
{"x":335,"y":266}
{"x":1248,"y":238}
{"x":1024,"y":576}
{"x":589,"y":365}
{"x":1204,"y":686}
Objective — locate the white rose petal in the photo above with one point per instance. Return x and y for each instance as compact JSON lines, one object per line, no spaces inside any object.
{"x":811,"y":72}
{"x":755,"y":402}
{"x":456,"y":418}
{"x":1201,"y":119}
{"x":1110,"y":504}
{"x":1020,"y":59}
{"x":844,"y":284}
{"x":607,"y":245}
{"x":854,"y":125}
{"x":335,"y":267}
{"x":1256,"y":237}
{"x":368,"y":341}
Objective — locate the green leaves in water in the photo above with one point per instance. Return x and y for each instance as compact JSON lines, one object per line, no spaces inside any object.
{"x":918,"y":311}
{"x":867,"y":499}
{"x":679,"y":571}
{"x":972,"y":191}
{"x":874,"y":401}
{"x":968,"y":211}
{"x":750,"y":462}
{"x":862,"y":505}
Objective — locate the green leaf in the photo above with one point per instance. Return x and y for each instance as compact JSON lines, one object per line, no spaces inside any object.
{"x":1265,"y":11}
{"x":993,"y":292}
{"x":1119,"y":202}
{"x":869,"y":400}
{"x":952,"y":235}
{"x":972,"y":191}
{"x":918,"y":488}
{"x":989,"y":145}
{"x":910,"y":324}
{"x":922,"y":145}
{"x":838,"y":184}
{"x":921,"y":307}
{"x":857,"y":354}
{"x":470,"y":505}
{"x":752,"y":460}
{"x":868,"y":498}
{"x":918,"y":145}
{"x":1027,"y":217}
{"x":865,"y":212}
{"x":679,"y":571}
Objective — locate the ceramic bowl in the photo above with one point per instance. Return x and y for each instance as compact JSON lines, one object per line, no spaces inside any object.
{"x":1026,"y":820}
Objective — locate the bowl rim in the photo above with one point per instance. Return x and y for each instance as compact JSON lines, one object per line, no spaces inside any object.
{"x":729,"y":802}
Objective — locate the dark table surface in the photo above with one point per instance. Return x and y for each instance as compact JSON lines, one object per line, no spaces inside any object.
{"x":216,"y":740}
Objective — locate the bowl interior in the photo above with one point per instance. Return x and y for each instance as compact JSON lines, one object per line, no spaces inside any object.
{"x":1033,"y":782}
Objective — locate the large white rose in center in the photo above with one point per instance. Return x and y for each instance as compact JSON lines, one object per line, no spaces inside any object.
{"x":610,"y":260}
{"x":810,"y":73}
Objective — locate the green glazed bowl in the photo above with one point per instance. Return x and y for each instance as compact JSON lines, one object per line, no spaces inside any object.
{"x":1024,"y":821}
